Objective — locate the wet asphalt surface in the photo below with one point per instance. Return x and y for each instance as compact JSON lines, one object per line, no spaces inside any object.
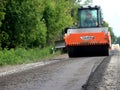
{"x":66,"y":74}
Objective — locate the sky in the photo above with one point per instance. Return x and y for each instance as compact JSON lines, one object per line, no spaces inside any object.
{"x":111,"y":13}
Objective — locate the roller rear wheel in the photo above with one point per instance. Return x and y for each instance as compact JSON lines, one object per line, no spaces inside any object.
{"x":95,"y":50}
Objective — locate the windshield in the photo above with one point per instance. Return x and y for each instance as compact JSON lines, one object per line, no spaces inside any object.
{"x":88,"y":18}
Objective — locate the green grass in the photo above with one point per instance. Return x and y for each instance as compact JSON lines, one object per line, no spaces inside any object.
{"x":21,"y":55}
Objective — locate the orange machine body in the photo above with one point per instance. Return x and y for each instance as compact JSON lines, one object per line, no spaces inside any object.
{"x":87,"y":38}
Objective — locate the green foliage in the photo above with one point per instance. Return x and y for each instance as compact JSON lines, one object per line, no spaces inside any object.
{"x":2,"y":17}
{"x":113,"y":37}
{"x":118,"y":40}
{"x":21,"y":55}
{"x":2,"y":11}
{"x":31,"y":23}
{"x":87,"y":2}
{"x":24,"y":24}
{"x":57,"y":17}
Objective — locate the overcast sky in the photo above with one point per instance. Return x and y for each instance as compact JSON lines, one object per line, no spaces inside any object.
{"x":111,"y":13}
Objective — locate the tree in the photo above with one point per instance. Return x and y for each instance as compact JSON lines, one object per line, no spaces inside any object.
{"x":2,"y":17}
{"x":2,"y":11}
{"x":118,"y":40}
{"x":24,"y":24}
{"x":113,"y":37}
{"x":83,"y":2}
{"x":57,"y":16}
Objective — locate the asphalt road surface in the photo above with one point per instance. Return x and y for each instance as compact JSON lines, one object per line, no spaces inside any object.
{"x":106,"y":75}
{"x":65,"y":74}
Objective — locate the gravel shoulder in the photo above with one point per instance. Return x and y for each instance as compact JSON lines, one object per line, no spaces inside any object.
{"x":107,"y":74}
{"x":7,"y":70}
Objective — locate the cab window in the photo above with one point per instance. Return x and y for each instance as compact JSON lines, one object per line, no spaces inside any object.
{"x":88,"y":18}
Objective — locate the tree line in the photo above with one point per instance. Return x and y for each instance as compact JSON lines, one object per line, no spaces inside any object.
{"x":34,"y":23}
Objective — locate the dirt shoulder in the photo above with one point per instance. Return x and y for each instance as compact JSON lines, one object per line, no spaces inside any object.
{"x":6,"y":70}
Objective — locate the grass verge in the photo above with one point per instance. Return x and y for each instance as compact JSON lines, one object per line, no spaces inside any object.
{"x":21,"y":55}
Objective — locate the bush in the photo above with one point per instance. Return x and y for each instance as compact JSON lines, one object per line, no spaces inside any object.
{"x":21,"y":55}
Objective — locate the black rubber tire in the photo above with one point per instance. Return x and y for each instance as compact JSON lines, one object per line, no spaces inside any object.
{"x":71,"y":52}
{"x":93,"y":50}
{"x":106,"y":51}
